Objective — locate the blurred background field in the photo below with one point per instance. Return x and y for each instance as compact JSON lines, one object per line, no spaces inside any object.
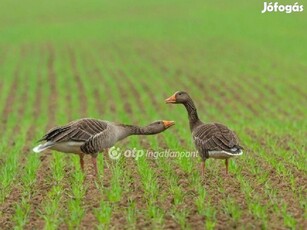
{"x":119,"y":60}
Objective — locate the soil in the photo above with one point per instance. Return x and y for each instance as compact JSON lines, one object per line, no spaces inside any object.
{"x":217,"y":184}
{"x":8,"y":207}
{"x":80,"y":86}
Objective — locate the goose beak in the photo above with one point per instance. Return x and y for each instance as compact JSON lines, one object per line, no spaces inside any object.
{"x":171,"y":99}
{"x":168,"y":124}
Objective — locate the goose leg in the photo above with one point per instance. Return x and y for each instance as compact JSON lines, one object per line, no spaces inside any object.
{"x":94,"y":160}
{"x":81,"y":161}
{"x":203,"y":166}
{"x":226,"y":163}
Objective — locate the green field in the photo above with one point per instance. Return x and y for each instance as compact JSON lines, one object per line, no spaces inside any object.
{"x":118,"y":61}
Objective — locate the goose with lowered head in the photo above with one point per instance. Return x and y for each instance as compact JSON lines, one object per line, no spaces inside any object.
{"x":91,"y":136}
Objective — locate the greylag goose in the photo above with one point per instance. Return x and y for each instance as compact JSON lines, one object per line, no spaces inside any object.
{"x":91,"y":136}
{"x":211,"y":140}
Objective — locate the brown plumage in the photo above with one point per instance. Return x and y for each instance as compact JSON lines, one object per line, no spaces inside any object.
{"x":91,"y":136}
{"x":211,"y":140}
{"x":79,"y":130}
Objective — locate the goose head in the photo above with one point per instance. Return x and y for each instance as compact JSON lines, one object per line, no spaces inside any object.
{"x":159,"y":126}
{"x":179,"y":97}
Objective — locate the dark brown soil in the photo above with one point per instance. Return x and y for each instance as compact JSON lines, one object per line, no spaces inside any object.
{"x":234,"y":189}
{"x":93,"y":196}
{"x":10,"y":98}
{"x":43,"y":185}
{"x":9,"y":205}
{"x":218,"y":185}
{"x":81,"y":91}
{"x":283,"y":185}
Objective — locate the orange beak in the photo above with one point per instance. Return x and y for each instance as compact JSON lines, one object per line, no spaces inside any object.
{"x":171,"y":99}
{"x":168,"y":123}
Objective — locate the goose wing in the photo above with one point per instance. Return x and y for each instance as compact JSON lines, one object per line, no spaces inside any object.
{"x":79,"y":131}
{"x":99,"y":142}
{"x":216,"y":137}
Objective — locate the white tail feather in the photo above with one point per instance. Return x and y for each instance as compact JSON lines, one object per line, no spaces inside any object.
{"x":224,"y":154}
{"x":42,"y":147}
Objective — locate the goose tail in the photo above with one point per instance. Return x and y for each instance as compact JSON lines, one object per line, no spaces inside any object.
{"x":42,"y":147}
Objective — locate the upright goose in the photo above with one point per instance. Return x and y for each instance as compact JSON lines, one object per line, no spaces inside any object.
{"x":211,"y":140}
{"x":91,"y":136}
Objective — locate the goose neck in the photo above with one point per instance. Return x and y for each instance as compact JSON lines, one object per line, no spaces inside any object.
{"x":192,"y":113}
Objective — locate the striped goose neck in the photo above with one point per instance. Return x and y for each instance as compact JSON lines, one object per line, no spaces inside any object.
{"x":192,"y":113}
{"x":136,"y":130}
